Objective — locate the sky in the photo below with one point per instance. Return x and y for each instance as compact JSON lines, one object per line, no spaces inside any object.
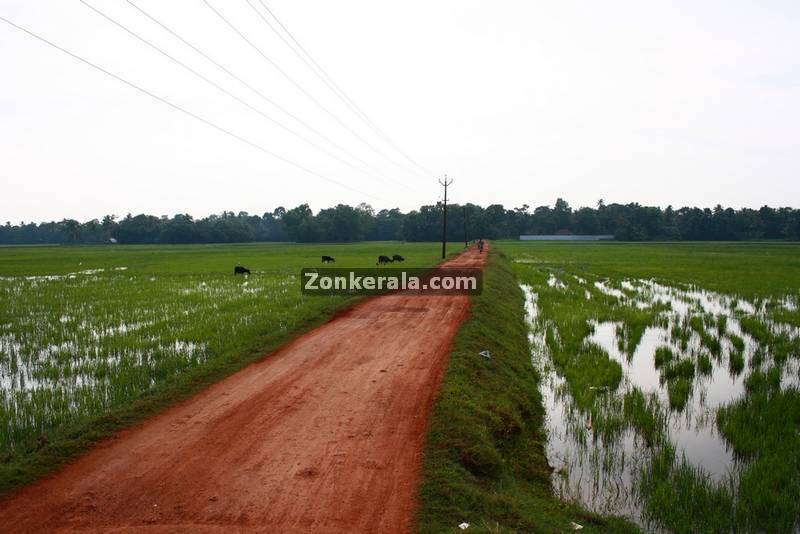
{"x":518,"y":102}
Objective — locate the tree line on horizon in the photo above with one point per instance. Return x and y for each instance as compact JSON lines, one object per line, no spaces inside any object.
{"x":343,"y":223}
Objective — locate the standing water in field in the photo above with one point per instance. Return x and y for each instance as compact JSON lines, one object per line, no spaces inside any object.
{"x":634,"y":368}
{"x":76,"y":345}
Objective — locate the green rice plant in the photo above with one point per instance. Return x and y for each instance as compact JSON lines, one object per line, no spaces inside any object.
{"x":763,"y":382}
{"x":736,"y":362}
{"x":756,"y":328}
{"x":681,"y":333}
{"x":589,"y":373}
{"x":764,"y":420}
{"x":762,"y":427}
{"x":768,"y":493}
{"x":782,"y":315}
{"x":681,"y":498}
{"x":634,"y":323}
{"x":645,"y":416}
{"x":662,"y":321}
{"x":737,"y":342}
{"x":709,"y":341}
{"x":620,"y":336}
{"x":607,"y":418}
{"x":783,"y":347}
{"x":663,"y":356}
{"x":757,"y":359}
{"x":696,"y":323}
{"x":709,"y":321}
{"x":722,"y":325}
{"x":679,"y":390}
{"x":683,"y":368}
{"x":704,"y":364}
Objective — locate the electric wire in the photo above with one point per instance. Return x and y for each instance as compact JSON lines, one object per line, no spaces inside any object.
{"x":298,"y":86}
{"x":259,"y":93}
{"x":328,"y":80}
{"x":226,"y":92}
{"x":187,"y":112}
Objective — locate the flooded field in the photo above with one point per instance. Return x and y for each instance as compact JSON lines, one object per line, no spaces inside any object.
{"x":87,"y":330}
{"x":76,"y":344}
{"x":668,"y":404}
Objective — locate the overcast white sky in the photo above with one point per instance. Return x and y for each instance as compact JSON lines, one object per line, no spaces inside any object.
{"x":682,"y":103}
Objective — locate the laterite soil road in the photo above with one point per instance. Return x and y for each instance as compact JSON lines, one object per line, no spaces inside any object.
{"x":324,"y":435}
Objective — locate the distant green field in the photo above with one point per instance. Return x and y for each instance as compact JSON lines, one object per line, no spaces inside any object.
{"x":671,"y":378}
{"x":748,"y":269}
{"x":89,"y":331}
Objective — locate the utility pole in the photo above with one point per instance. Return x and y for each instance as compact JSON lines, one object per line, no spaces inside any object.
{"x":466,"y":243}
{"x":444,"y":219}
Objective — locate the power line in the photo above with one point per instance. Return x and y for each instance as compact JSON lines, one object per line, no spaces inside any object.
{"x":187,"y":112}
{"x":259,"y":93}
{"x":222,"y":89}
{"x":326,"y":78}
{"x":297,"y":85}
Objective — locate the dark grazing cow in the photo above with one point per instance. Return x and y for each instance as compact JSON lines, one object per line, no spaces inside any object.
{"x":383,"y":260}
{"x":328,"y":259}
{"x":398,"y":257}
{"x":240,"y":270}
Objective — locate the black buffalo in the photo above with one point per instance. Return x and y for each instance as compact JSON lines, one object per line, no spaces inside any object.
{"x":328,"y":259}
{"x":240,"y":270}
{"x":383,"y":260}
{"x":398,"y":257}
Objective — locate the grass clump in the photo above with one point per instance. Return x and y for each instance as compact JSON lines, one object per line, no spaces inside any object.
{"x":737,"y":342}
{"x":644,"y":415}
{"x":704,"y":364}
{"x":591,"y":371}
{"x":736,"y":362}
{"x":782,"y":315}
{"x":722,"y":325}
{"x":756,"y":328}
{"x":681,"y":334}
{"x":782,"y":346}
{"x":484,"y":459}
{"x":709,"y":341}
{"x":679,"y":391}
{"x":664,"y":356}
{"x":683,"y":368}
{"x":634,"y":323}
{"x":762,"y":427}
{"x":681,"y":498}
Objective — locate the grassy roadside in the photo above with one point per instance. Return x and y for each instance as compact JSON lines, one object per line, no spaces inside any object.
{"x":484,"y":458}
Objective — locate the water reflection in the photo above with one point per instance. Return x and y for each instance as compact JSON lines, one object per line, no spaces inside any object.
{"x":600,"y":471}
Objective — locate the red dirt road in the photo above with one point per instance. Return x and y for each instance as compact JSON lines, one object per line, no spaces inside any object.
{"x":324,"y":435}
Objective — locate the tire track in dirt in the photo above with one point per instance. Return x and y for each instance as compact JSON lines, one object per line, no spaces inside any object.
{"x":323,"y":435}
